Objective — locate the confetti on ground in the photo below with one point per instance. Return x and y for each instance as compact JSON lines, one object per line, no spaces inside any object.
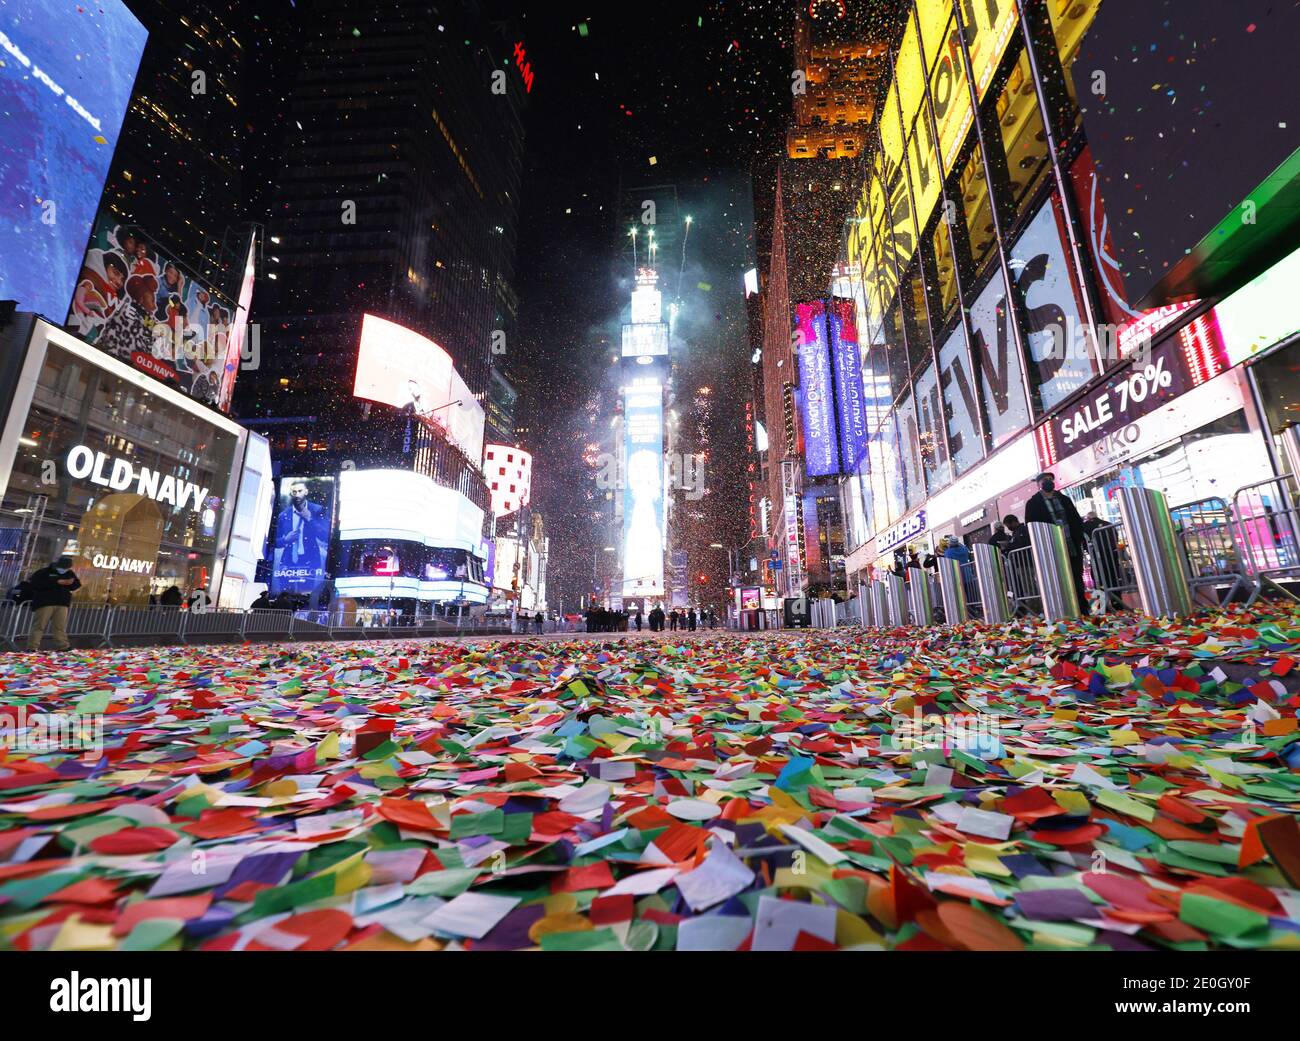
{"x":1118,"y":784}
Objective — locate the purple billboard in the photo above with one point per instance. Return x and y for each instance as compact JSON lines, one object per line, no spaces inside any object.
{"x":816,"y":394}
{"x":850,"y":393}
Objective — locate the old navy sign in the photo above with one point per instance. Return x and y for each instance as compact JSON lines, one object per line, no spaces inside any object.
{"x":119,"y":474}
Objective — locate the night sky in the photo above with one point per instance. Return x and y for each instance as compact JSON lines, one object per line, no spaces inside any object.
{"x":701,"y":88}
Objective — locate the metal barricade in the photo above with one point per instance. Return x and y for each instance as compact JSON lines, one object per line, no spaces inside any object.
{"x":1211,"y":555}
{"x":1022,"y":581}
{"x":880,"y":612}
{"x":991,"y":575}
{"x":149,"y":624}
{"x":952,"y":591}
{"x":1057,"y":592}
{"x":896,"y":597}
{"x":90,"y":622}
{"x":211,"y":626}
{"x":15,"y":621}
{"x":920,"y":605}
{"x":1159,"y":556}
{"x":1267,"y":526}
{"x":1110,"y":567}
{"x":267,"y":623}
{"x":970,"y":589}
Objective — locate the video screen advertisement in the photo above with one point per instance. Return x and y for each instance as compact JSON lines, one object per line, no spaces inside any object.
{"x":816,"y":395}
{"x":396,"y":366}
{"x":304,"y":525}
{"x":643,"y":499}
{"x":66,"y":74}
{"x":850,"y":392}
{"x":141,"y":305}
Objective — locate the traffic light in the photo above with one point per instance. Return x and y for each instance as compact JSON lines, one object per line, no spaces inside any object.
{"x":704,"y":579}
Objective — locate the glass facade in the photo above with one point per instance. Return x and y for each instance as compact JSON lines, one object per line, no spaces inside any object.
{"x":960,"y":253}
{"x":129,"y":484}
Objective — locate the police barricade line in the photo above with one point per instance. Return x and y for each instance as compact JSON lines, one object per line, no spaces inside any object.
{"x":971,"y":589}
{"x":128,"y":623}
{"x":267,"y":622}
{"x":89,"y":622}
{"x":15,"y":621}
{"x":1266,"y":522}
{"x":1209,"y":551}
{"x":205,"y":625}
{"x":1022,"y":580}
{"x":1111,"y":568}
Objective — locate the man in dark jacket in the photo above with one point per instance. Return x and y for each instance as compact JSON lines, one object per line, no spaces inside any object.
{"x":52,"y":588}
{"x":1050,"y":506}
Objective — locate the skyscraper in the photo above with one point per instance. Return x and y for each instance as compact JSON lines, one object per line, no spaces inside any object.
{"x":397,"y":196}
{"x":177,"y":172}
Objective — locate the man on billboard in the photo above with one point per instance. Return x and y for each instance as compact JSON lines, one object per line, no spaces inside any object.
{"x":302,"y":535}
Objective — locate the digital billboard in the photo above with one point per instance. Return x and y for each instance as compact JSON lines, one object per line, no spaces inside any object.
{"x":397,"y":366}
{"x":816,"y":396}
{"x":643,"y":505}
{"x":1056,"y":339}
{"x":304,"y":524}
{"x":404,"y":505}
{"x":66,"y":74}
{"x":850,"y":393}
{"x":143,"y":306}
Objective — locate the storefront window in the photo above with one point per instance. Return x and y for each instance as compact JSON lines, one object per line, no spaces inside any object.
{"x":945,"y":269}
{"x":1278,"y":380}
{"x":879,"y":483}
{"x":909,"y":450}
{"x":1021,"y":135}
{"x":127,"y":483}
{"x":973,"y":189}
{"x":915,"y":316}
{"x":997,"y":358}
{"x":895,"y":352}
{"x":930,"y":431}
{"x":1049,"y":300}
{"x":959,"y":405}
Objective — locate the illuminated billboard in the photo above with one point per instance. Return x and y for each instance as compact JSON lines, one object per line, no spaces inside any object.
{"x":850,"y":392}
{"x":66,"y":74}
{"x":404,"y":505}
{"x":646,"y":340}
{"x":816,"y":397}
{"x":509,"y":474}
{"x":643,"y":492}
{"x":397,"y":366}
{"x":142,"y":305}
{"x":304,"y":524}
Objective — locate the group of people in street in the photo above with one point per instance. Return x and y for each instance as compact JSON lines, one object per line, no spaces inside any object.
{"x":601,"y":620}
{"x":1092,"y":537}
{"x":49,"y":592}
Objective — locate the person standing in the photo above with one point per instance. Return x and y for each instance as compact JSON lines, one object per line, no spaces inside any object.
{"x":539,"y":620}
{"x":1047,"y":505}
{"x":52,"y":588}
{"x":672,"y":620}
{"x":690,"y":619}
{"x":638,"y":619}
{"x":1000,"y":537}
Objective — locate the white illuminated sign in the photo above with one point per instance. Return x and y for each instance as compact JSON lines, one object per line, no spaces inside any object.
{"x":126,"y":565}
{"x":119,"y":474}
{"x":400,"y":504}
